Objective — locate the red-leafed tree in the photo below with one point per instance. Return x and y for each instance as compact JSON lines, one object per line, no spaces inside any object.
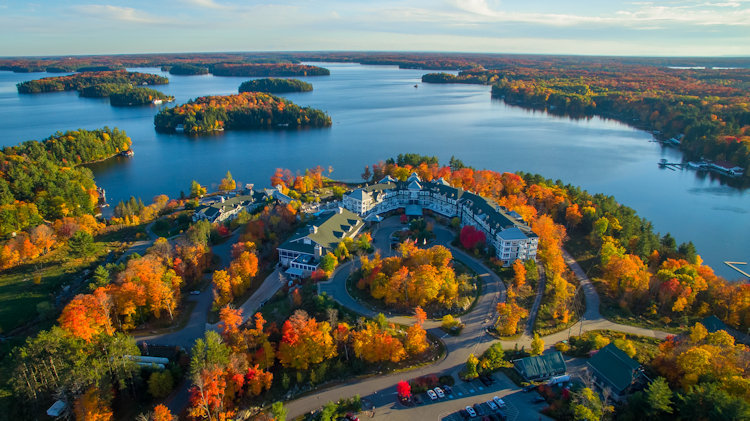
{"x":471,"y":237}
{"x":404,"y":390}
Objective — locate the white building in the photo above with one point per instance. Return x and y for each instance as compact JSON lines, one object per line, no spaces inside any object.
{"x":505,"y":231}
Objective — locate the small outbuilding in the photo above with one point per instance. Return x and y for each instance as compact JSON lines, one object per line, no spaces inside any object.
{"x":541,"y":367}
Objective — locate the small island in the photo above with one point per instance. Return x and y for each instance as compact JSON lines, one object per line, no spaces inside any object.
{"x":138,"y":96}
{"x":268,"y":69}
{"x":79,"y":81}
{"x":185,"y":69}
{"x":244,"y":111}
{"x":275,"y":86}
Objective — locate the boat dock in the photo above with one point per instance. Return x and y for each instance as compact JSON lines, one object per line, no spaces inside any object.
{"x":674,"y":166}
{"x":733,"y":265}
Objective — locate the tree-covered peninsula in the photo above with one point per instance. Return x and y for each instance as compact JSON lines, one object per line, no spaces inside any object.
{"x":44,"y":180}
{"x":79,"y":81}
{"x":268,"y":69}
{"x":247,"y":110}
{"x":703,"y":111}
{"x":275,"y":86}
{"x":185,"y":69}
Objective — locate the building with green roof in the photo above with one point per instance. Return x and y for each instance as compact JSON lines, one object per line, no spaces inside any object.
{"x":541,"y":367}
{"x":614,"y":370}
{"x":301,"y":253}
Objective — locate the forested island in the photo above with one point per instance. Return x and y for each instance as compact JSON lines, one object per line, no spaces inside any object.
{"x":275,"y":86}
{"x":79,"y":81}
{"x":248,"y":110}
{"x":268,"y":69}
{"x":44,"y":180}
{"x":185,"y":69}
{"x":704,"y":111}
{"x":138,"y":96}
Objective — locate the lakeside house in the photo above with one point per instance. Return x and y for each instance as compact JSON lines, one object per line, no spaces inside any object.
{"x":505,"y":231}
{"x":302,"y":252}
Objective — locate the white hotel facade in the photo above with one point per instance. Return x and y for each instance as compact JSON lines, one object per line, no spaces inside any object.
{"x":505,"y":231}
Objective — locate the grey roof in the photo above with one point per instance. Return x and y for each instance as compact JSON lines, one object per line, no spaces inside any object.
{"x":512,"y":234}
{"x":541,"y":366}
{"x":414,"y":185}
{"x":414,"y":177}
{"x":387,"y":179}
{"x":614,"y":367}
{"x":358,"y":194}
{"x":379,"y":186}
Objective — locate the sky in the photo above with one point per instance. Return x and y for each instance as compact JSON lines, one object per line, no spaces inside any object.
{"x":588,"y":27}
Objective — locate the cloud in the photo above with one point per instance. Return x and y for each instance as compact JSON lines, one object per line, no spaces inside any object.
{"x":208,"y":4}
{"x":633,"y":15}
{"x":116,"y":13}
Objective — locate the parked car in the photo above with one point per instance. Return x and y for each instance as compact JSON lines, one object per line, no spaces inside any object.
{"x":471,"y":411}
{"x":432,"y":394}
{"x":464,"y":414}
{"x":529,"y":388}
{"x":502,"y":416}
{"x":539,"y":399}
{"x":499,"y":402}
{"x":416,"y":399}
{"x":492,"y":405}
{"x":439,"y":392}
{"x":195,"y":292}
{"x":447,"y":389}
{"x":478,"y":409}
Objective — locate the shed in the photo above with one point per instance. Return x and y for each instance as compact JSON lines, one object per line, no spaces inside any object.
{"x":541,"y":366}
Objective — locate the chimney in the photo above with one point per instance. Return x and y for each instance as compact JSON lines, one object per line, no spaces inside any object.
{"x":340,"y":210}
{"x":222,"y":199}
{"x":318,"y":251}
{"x":313,"y":229}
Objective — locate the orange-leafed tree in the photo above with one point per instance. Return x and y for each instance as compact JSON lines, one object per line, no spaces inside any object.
{"x":305,"y":341}
{"x":230,"y":321}
{"x":373,"y":344}
{"x":87,"y":316}
{"x":91,"y":407}
{"x":161,"y":413}
{"x":519,"y":275}
{"x":257,"y":380}
{"x":416,"y":337}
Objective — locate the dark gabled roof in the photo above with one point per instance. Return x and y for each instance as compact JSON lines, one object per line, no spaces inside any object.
{"x":444,"y":189}
{"x":541,"y":366}
{"x":379,"y":186}
{"x":614,"y":367}
{"x":713,"y":324}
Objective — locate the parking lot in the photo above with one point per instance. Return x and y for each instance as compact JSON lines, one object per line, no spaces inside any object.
{"x":519,"y":405}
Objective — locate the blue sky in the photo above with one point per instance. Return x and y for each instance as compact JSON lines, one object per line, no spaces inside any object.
{"x":603,"y":27}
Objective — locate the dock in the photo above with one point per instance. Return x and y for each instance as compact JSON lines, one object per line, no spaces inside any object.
{"x":674,"y":166}
{"x":733,"y":265}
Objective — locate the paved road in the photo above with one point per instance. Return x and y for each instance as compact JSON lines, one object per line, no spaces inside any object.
{"x":473,"y":338}
{"x":529,"y":331}
{"x":140,"y":247}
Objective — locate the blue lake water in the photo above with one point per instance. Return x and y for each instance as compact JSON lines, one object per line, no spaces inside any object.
{"x":378,"y":113}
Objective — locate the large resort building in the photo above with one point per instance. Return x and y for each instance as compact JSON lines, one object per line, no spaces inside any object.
{"x":505,"y":231}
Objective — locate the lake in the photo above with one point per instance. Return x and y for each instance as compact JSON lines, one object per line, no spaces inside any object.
{"x":378,"y":113}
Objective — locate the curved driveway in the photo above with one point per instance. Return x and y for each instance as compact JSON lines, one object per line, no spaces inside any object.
{"x":473,"y":338}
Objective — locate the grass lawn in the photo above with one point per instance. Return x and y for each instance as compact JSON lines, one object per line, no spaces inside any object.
{"x":29,"y":290}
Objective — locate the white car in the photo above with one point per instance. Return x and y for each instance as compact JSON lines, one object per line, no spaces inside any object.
{"x":499,"y":402}
{"x":439,"y":392}
{"x":492,"y":405}
{"x":195,"y":292}
{"x":431,"y":394}
{"x":471,"y":411}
